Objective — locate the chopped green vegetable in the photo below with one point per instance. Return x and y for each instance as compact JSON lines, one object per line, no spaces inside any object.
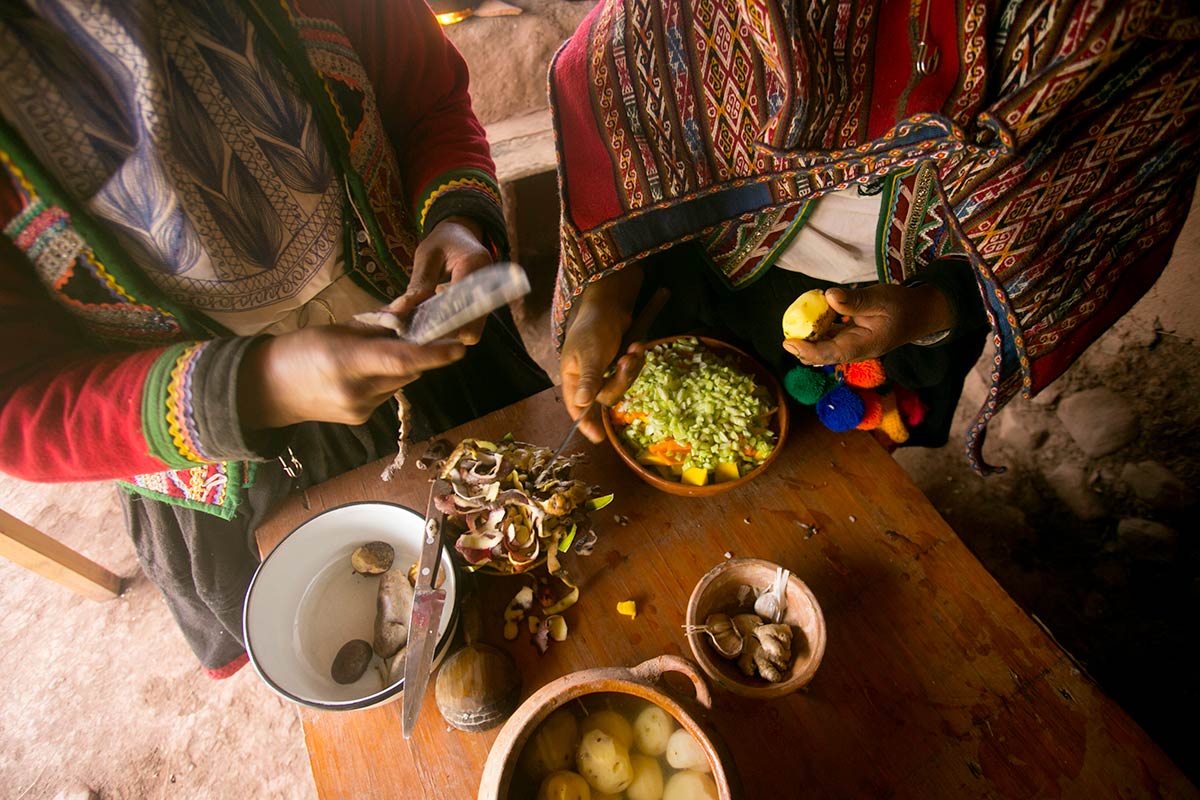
{"x":565,"y":544}
{"x":689,"y":395}
{"x":597,"y":503}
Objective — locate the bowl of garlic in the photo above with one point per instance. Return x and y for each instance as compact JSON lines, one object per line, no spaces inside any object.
{"x":755,"y":629}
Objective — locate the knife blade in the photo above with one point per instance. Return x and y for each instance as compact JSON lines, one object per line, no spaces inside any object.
{"x":426,"y":616}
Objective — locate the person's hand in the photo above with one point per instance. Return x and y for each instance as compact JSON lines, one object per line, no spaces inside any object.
{"x":330,"y":373}
{"x":450,"y":252}
{"x":881,"y":318}
{"x":602,"y":314}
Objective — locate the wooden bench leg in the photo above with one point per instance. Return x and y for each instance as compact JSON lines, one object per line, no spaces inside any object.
{"x":50,"y":558}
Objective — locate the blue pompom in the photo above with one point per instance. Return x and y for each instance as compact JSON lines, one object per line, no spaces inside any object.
{"x":840,"y":409}
{"x":806,"y":384}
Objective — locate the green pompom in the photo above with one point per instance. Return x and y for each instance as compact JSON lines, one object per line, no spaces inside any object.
{"x":807,"y":384}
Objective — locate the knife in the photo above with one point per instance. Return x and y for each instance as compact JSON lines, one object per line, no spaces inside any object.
{"x":426,"y":612}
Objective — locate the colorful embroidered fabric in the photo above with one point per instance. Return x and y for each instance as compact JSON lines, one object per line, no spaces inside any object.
{"x":212,"y":488}
{"x":1054,"y":145}
{"x":221,"y":67}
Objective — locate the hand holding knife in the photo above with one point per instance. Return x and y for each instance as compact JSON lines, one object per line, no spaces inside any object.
{"x":636,"y":332}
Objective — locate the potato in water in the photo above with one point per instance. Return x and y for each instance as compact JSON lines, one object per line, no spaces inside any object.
{"x":553,"y":747}
{"x":612,"y":746}
{"x":604,"y":762}
{"x":564,"y":785}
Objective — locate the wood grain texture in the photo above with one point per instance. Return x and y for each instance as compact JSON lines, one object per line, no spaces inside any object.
{"x":934,"y":682}
{"x":25,"y":545}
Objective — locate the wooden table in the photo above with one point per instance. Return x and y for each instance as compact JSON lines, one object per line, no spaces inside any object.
{"x":934,"y":683}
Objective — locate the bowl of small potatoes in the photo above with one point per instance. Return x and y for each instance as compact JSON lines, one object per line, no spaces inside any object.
{"x":702,"y":417}
{"x":611,"y":732}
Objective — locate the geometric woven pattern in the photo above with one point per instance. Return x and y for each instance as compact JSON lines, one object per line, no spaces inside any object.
{"x":1055,"y":145}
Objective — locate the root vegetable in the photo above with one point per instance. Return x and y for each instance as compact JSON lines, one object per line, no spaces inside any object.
{"x":611,"y":723}
{"x":684,"y":752}
{"x":373,"y":558}
{"x":774,"y":654}
{"x":604,"y":762}
{"x":808,"y":317}
{"x":647,"y":781}
{"x":564,"y":786}
{"x":351,"y":661}
{"x":393,"y":608}
{"x":651,"y":730}
{"x":553,"y":747}
{"x":689,"y":785}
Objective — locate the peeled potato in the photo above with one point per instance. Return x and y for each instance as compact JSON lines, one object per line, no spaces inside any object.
{"x":611,"y":723}
{"x":564,"y":785}
{"x":690,"y":785}
{"x":552,"y":747}
{"x":652,"y":729}
{"x":647,"y":781}
{"x":684,"y":752}
{"x":604,"y":762}
{"x":808,"y":317}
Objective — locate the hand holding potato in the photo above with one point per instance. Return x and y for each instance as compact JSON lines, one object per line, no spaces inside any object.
{"x":881,"y":317}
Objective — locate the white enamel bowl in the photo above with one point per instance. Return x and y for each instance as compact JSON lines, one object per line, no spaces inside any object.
{"x":305,"y":602}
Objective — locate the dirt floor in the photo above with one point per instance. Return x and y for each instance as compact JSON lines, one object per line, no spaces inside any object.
{"x":104,"y":699}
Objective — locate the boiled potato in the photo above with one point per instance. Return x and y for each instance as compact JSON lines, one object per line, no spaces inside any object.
{"x":651,"y":730}
{"x":808,"y":317}
{"x":611,"y":723}
{"x":647,"y":779}
{"x":604,"y":762}
{"x":690,"y":785}
{"x":684,"y":752}
{"x":553,"y":747}
{"x":564,"y":785}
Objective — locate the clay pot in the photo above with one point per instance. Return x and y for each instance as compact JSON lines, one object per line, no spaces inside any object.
{"x":778,"y":423}
{"x":501,"y":766}
{"x":718,"y":590}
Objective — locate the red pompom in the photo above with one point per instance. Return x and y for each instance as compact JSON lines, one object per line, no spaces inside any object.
{"x":872,"y":410}
{"x":911,"y":407}
{"x":865,"y":374}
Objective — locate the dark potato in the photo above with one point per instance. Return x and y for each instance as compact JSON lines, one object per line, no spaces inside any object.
{"x":392,"y":610}
{"x":351,"y":661}
{"x":372,"y":558}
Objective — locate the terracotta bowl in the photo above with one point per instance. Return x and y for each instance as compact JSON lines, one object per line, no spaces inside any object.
{"x":779,"y":424}
{"x":501,"y":770}
{"x":717,"y":592}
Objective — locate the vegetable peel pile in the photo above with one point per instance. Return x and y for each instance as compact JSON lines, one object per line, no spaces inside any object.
{"x":694,"y":416}
{"x":514,"y":504}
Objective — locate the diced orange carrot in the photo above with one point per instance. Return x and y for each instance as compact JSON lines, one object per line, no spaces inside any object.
{"x":624,"y":417}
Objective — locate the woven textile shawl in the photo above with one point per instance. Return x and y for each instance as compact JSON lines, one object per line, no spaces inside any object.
{"x":1054,"y":145}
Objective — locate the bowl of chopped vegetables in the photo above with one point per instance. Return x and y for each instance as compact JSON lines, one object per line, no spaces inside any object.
{"x":701,"y":418}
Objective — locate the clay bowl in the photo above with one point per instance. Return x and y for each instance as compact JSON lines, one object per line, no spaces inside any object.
{"x":717,"y":592}
{"x":779,"y":424}
{"x":500,"y":772}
